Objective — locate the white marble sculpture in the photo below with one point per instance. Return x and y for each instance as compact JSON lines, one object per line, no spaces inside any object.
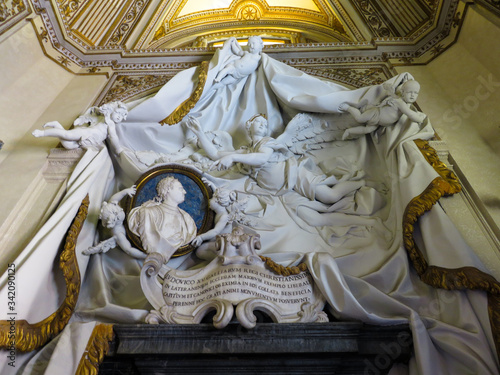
{"x":112,"y":216}
{"x":245,"y":63}
{"x":160,"y":223}
{"x":272,"y":165}
{"x":91,"y":129}
{"x":387,"y":113}
{"x":238,"y":247}
{"x":362,"y":269}
{"x":190,"y":154}
{"x":235,"y":283}
{"x":228,"y":210}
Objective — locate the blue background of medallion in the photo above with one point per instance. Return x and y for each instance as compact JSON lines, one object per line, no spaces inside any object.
{"x":195,"y":204}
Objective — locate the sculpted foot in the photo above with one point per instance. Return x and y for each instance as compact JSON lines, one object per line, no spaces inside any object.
{"x":38,"y":133}
{"x":361,"y":104}
{"x":343,"y":107}
{"x":53,"y":124}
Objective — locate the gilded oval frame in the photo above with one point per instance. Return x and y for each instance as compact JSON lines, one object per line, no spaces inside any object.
{"x":196,"y":202}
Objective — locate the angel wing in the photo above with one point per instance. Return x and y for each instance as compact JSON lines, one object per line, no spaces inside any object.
{"x":101,"y":247}
{"x":90,"y":117}
{"x":306,"y":132}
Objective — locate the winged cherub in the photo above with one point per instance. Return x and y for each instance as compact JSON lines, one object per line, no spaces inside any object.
{"x":91,"y":129}
{"x":387,"y":113}
{"x":112,"y":216}
{"x":273,"y":166}
{"x":228,"y":210}
{"x":246,"y":64}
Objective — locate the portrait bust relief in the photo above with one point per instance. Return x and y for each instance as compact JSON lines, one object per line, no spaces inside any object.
{"x":168,"y":211}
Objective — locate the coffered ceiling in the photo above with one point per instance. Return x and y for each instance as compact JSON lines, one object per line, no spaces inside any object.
{"x":142,"y":43}
{"x":167,"y":24}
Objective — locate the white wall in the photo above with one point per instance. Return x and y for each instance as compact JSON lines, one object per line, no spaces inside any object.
{"x":461,"y":94}
{"x":33,"y":91}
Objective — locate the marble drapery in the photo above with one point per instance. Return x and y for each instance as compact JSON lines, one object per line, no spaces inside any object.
{"x":354,"y":249}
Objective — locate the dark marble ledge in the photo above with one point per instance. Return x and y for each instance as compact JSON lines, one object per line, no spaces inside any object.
{"x":265,"y":338}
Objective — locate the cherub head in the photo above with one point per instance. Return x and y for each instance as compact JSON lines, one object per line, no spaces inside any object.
{"x":257,"y":126}
{"x":171,"y":189}
{"x":255,"y":44}
{"x":223,"y":197}
{"x":111,"y":215}
{"x":409,"y":91}
{"x":116,"y":111}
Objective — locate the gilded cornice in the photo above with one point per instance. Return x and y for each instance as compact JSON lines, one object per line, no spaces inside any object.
{"x":125,"y":87}
{"x":28,"y":336}
{"x":401,"y":19}
{"x":250,"y":14}
{"x":206,"y":39}
{"x":75,"y":56}
{"x":130,"y":86}
{"x":354,"y":76}
{"x":464,"y":278}
{"x":275,"y":27}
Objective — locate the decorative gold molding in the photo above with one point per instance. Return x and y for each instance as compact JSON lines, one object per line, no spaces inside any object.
{"x":251,"y":15}
{"x":401,"y":19}
{"x":125,"y":87}
{"x":130,"y":18}
{"x":10,"y":8}
{"x":182,"y":110}
{"x":282,"y":270}
{"x":433,"y":159}
{"x":464,"y":278}
{"x":11,"y":12}
{"x":28,"y":336}
{"x":96,"y":350}
{"x":350,"y":75}
{"x":107,"y":59}
{"x":131,"y":85}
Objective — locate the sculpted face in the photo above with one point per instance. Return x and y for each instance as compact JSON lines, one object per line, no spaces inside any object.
{"x":254,"y":45}
{"x":109,"y":221}
{"x":258,"y":127}
{"x":111,"y":215}
{"x":177,"y":193}
{"x":118,"y":116}
{"x":410,"y":91}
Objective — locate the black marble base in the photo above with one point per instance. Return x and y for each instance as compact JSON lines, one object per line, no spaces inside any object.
{"x":269,"y":348}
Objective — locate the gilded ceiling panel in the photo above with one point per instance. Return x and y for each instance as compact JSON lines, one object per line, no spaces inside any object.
{"x":313,"y":20}
{"x":121,"y":36}
{"x":11,"y":12}
{"x":397,"y":18}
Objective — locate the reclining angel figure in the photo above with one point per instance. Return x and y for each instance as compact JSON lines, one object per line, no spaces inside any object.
{"x":91,"y":129}
{"x":112,"y":216}
{"x":271,"y":164}
{"x":387,"y":113}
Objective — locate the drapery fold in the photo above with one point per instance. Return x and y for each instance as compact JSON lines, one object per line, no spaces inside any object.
{"x":354,"y":249}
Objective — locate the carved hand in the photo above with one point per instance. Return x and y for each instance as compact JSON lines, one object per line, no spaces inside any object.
{"x":197,"y":241}
{"x":223,"y":163}
{"x":131,"y":191}
{"x":194,"y":125}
